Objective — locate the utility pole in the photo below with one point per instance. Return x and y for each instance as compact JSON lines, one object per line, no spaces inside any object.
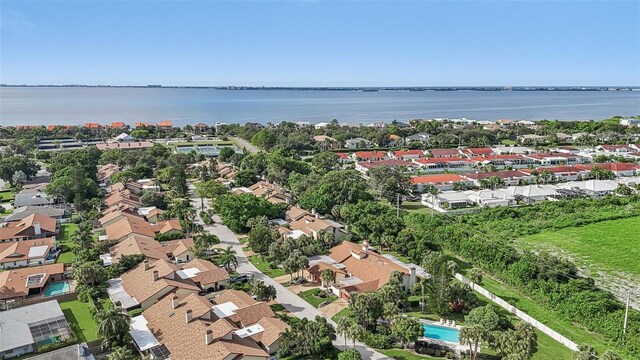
{"x":626,"y":312}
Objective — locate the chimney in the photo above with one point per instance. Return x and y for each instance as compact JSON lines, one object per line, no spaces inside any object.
{"x":146,"y":265}
{"x":155,"y":275}
{"x":188,"y":316}
{"x":208,"y":337}
{"x":175,"y":302}
{"x":313,"y":211}
{"x":365,"y":246}
{"x":317,"y":216}
{"x":36,"y":228}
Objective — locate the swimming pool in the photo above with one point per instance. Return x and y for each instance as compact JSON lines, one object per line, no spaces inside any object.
{"x":441,"y":333}
{"x":58,"y":288}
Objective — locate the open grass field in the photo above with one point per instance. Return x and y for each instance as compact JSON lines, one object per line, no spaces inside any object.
{"x":6,"y":196}
{"x":80,"y":320}
{"x":400,"y":354}
{"x":66,"y":231}
{"x":609,"y":246}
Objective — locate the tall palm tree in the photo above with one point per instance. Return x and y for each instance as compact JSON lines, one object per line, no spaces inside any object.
{"x":228,"y":258}
{"x":344,"y":324}
{"x":327,"y":276}
{"x":113,"y":326}
{"x":121,"y":353}
{"x":473,"y":335}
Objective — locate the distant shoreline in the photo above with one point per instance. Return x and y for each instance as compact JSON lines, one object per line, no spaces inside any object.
{"x":366,"y":89}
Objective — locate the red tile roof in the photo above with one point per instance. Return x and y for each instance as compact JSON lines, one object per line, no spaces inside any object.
{"x":401,"y":153}
{"x":444,"y":152}
{"x":436,"y":179}
{"x":370,"y":155}
{"x":118,"y":124}
{"x":92,"y":125}
{"x":142,"y":123}
{"x":165,"y":124}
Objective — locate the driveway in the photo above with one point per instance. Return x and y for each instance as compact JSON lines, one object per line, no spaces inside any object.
{"x":289,"y":300}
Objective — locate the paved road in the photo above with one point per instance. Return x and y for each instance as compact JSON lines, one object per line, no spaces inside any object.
{"x":245,"y":144}
{"x":289,"y":300}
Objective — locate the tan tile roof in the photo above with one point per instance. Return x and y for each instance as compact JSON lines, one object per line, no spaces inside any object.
{"x":372,"y":268}
{"x":19,"y":250}
{"x":130,"y":225}
{"x":252,"y":314}
{"x":139,"y":282}
{"x":178,"y":247}
{"x":186,"y":340}
{"x":168,"y":226}
{"x":135,"y":245}
{"x":25,"y":227}
{"x":13,"y":283}
{"x":211,"y":276}
{"x":273,"y":328}
{"x":122,"y":196}
{"x":296,"y":213}
{"x":240,"y":298}
{"x":115,"y":187}
{"x":112,"y":215}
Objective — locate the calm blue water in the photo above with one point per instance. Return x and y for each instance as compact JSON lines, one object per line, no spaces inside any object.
{"x":188,"y":106}
{"x":57,"y":288}
{"x":441,"y":333}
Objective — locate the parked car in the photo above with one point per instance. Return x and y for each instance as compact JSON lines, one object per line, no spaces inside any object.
{"x":242,"y":278}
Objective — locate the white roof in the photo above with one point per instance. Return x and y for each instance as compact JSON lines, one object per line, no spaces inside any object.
{"x":531,"y":190}
{"x":145,"y":210}
{"x":188,"y":273}
{"x":295,"y":234}
{"x":36,"y":251}
{"x":106,"y":259}
{"x":225,"y":309}
{"x":352,"y":280}
{"x":117,"y":294}
{"x":141,"y":334}
{"x":250,"y":331}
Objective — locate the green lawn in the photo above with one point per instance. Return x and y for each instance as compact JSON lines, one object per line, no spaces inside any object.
{"x":309,"y":297}
{"x":263,"y":266}
{"x":540,"y":313}
{"x":343,"y":313}
{"x":508,"y":142}
{"x":609,"y":246}
{"x":66,"y":231}
{"x":416,"y":207}
{"x":399,"y":354}
{"x":80,"y":320}
{"x":6,"y":196}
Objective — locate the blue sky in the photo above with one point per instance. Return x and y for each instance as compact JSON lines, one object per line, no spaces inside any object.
{"x":320,"y":43}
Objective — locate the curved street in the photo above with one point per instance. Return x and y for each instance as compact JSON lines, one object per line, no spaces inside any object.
{"x":292,"y":302}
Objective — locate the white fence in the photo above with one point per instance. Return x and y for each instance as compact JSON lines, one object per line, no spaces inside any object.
{"x":522,"y":315}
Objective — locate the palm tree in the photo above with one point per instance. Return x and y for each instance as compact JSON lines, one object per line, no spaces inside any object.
{"x":121,"y":353}
{"x":113,"y":326}
{"x":472,"y":335}
{"x":475,"y":275}
{"x":356,"y":332}
{"x":83,"y":236}
{"x":327,"y":276}
{"x":228,"y":258}
{"x":344,"y":324}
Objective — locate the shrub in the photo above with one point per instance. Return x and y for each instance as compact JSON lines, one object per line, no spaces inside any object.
{"x":378,"y":341}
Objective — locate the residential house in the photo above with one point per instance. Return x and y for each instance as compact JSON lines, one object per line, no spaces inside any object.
{"x":312,"y":225}
{"x":406,"y":154}
{"x":191,"y":327}
{"x":564,"y":138}
{"x":369,"y":155}
{"x":510,"y":177}
{"x":531,"y":139}
{"x":450,"y":200}
{"x":124,"y":137}
{"x":444,"y":163}
{"x":321,"y":125}
{"x":444,"y":153}
{"x":357,"y":143}
{"x":561,"y":173}
{"x":502,"y":161}
{"x":33,"y":226}
{"x":531,"y":194}
{"x":29,"y":198}
{"x":23,"y":330}
{"x":364,"y":166}
{"x":27,"y":253}
{"x":73,"y":352}
{"x":619,"y":169}
{"x":26,"y":211}
{"x":133,"y":225}
{"x":623,"y":149}
{"x":441,"y":182}
{"x":471,"y":152}
{"x":273,"y":193}
{"x":592,"y":188}
{"x":357,"y":268}
{"x":20,"y":283}
{"x":149,"y":281}
{"x":164,"y":125}
{"x":557,"y":158}
{"x":106,"y":171}
{"x":422,"y":138}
